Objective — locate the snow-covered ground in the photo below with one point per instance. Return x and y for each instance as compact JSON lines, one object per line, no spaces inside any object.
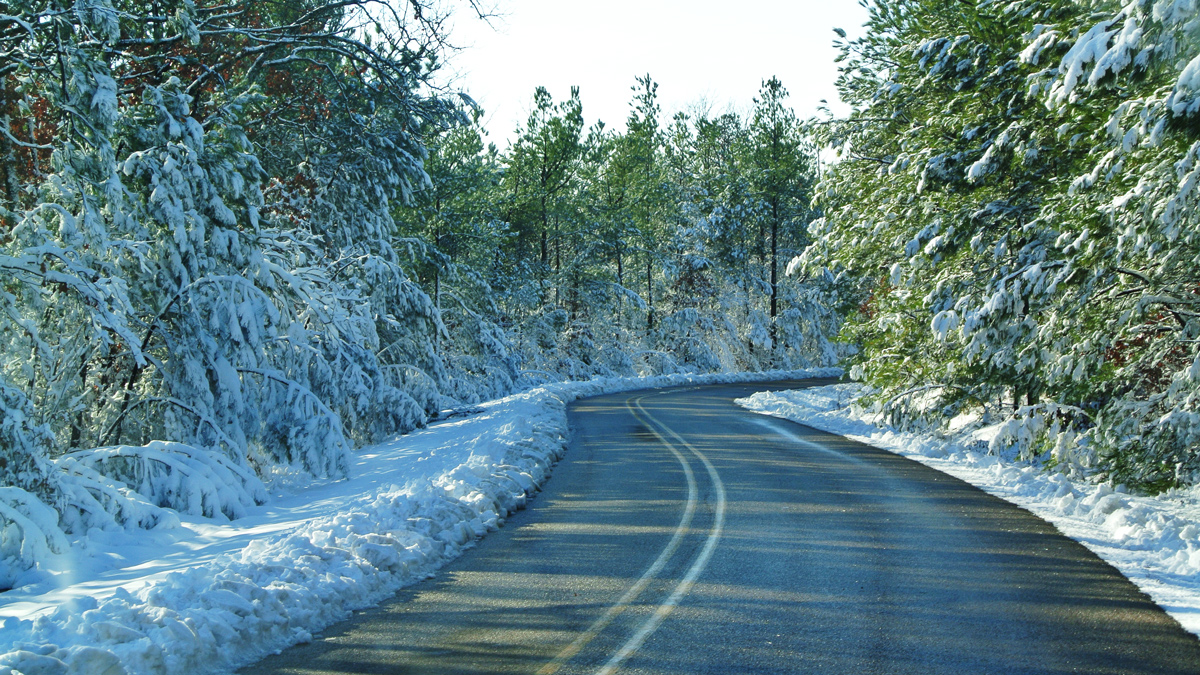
{"x":1154,"y":541}
{"x":199,"y":596}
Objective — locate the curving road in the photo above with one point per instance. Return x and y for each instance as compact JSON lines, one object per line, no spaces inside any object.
{"x":683,"y":535}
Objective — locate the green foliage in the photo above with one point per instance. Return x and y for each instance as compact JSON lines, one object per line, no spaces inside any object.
{"x":1014,"y":213}
{"x":651,"y":249}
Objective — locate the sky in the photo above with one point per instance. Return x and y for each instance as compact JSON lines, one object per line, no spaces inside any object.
{"x":697,"y":51}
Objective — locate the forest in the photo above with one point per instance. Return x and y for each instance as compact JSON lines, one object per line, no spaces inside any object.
{"x":239,"y":240}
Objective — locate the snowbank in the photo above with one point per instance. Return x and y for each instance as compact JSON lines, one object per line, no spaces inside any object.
{"x":1154,"y":541}
{"x":195,"y":595}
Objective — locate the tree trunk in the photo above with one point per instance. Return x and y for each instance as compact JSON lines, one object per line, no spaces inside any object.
{"x":649,"y":294}
{"x":774,"y":269}
{"x":437,"y":301}
{"x":541,"y":272}
{"x":9,"y":198}
{"x":620,"y":267}
{"x":557,"y":264}
{"x":545,"y":242}
{"x":621,"y":283}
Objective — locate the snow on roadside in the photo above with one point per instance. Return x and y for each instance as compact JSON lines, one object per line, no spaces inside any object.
{"x":198,"y":596}
{"x":1153,"y":541}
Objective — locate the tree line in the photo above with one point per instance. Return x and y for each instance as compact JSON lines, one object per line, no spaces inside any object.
{"x":651,"y":249}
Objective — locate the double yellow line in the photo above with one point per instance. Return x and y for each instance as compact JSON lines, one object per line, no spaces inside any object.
{"x":651,"y":624}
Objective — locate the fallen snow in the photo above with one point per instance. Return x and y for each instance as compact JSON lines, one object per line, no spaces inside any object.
{"x":205,"y":595}
{"x":1153,"y":541}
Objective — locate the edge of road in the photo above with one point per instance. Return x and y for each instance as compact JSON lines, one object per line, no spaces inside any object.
{"x":1100,"y":518}
{"x":498,"y":465}
{"x":609,"y":654}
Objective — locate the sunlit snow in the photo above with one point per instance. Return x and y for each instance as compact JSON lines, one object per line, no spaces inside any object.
{"x":198,"y":595}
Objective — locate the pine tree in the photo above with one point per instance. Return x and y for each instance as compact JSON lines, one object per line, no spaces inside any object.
{"x":1013,"y":214}
{"x":780,"y":175}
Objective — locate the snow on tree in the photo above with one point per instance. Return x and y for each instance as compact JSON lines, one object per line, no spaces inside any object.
{"x":237,"y":241}
{"x":1012,"y":220}
{"x":1128,"y":76}
{"x":196,"y":236}
{"x":182,"y":478}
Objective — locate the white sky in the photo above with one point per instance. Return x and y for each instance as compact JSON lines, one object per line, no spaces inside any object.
{"x":696,"y":50}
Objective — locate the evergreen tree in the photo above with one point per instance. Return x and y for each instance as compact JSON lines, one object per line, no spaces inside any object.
{"x":196,"y":241}
{"x":540,"y":174}
{"x":1014,"y":197}
{"x":780,"y":177}
{"x":455,"y":229}
{"x":642,"y":149}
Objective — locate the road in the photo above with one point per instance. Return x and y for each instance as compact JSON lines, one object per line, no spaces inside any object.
{"x":685,"y":535}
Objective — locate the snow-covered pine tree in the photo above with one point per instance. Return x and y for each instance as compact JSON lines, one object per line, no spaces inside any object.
{"x":197,"y":246}
{"x":1126,"y":79}
{"x":459,"y":214}
{"x":1015,"y":207}
{"x":933,"y":211}
{"x":781,"y":172}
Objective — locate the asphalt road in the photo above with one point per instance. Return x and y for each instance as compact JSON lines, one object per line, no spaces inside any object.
{"x":684,"y":535}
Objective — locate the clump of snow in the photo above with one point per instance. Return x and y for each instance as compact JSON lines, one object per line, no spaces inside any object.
{"x":1152,"y":540}
{"x":178,"y":476}
{"x":202,"y":595}
{"x":1092,"y":46}
{"x":29,"y":534}
{"x":1186,"y":97}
